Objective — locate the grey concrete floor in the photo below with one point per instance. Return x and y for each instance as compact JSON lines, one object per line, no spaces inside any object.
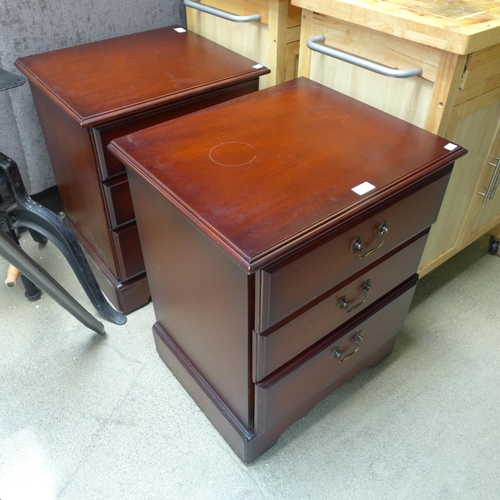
{"x":88,"y":417}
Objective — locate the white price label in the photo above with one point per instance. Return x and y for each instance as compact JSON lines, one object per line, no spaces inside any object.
{"x":363,"y":188}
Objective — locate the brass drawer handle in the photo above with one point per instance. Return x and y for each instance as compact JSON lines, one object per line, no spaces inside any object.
{"x":221,"y":13}
{"x":337,"y":353}
{"x":344,"y":302}
{"x":357,"y":245}
{"x":313,"y":44}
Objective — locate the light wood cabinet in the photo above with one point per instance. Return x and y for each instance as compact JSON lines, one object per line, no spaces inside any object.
{"x":490,"y":177}
{"x":457,"y":94}
{"x":466,"y":214}
{"x":273,"y":40}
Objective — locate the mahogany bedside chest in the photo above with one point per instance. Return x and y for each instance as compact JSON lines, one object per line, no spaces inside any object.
{"x":88,"y":95}
{"x":281,"y":232}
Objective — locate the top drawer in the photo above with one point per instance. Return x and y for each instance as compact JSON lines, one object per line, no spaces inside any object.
{"x":261,"y":7}
{"x":273,"y":40}
{"x":287,"y":286}
{"x":408,"y":98}
{"x":481,"y":66}
{"x":103,"y":134}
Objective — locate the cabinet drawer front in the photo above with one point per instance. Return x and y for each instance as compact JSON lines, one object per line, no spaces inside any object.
{"x":248,"y":39}
{"x":293,"y":387}
{"x":247,"y":8}
{"x":481,"y":67}
{"x":128,"y":252}
{"x":276,"y":347}
{"x":119,"y":202}
{"x":407,"y":98}
{"x":287,"y":286}
{"x":256,"y":40}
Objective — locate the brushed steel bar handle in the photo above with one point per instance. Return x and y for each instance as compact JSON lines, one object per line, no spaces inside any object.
{"x":344,"y":302}
{"x":492,"y":186}
{"x":313,"y":44}
{"x":495,"y":183}
{"x":357,"y":244}
{"x":337,"y":353}
{"x":221,"y":13}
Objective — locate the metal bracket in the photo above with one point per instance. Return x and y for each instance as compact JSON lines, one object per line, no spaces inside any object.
{"x":9,"y":80}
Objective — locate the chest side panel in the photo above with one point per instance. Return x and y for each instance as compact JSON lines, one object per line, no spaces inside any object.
{"x":201,"y":298}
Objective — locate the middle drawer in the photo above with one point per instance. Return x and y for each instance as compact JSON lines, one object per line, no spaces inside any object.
{"x":280,"y":344}
{"x":129,"y":259}
{"x":119,"y":201}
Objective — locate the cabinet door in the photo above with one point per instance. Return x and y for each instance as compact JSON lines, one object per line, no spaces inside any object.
{"x":488,"y":213}
{"x":270,"y":41}
{"x":474,"y":125}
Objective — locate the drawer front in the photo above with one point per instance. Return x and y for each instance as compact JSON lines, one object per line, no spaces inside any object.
{"x":285,"y":287}
{"x":407,"y":98}
{"x":119,"y":202}
{"x":293,"y":387}
{"x":481,"y":67}
{"x":128,"y":252}
{"x":110,"y":167}
{"x":250,"y":7}
{"x":274,"y":348}
{"x":265,"y":41}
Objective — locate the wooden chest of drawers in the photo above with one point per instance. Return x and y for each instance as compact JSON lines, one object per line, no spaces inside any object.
{"x":282,"y":232}
{"x":90,"y":94}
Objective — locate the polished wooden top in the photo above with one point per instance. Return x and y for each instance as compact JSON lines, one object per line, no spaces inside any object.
{"x":461,"y":27}
{"x":261,"y":173}
{"x":100,"y":81}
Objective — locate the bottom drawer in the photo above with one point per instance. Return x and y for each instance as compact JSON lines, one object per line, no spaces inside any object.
{"x":128,"y":252}
{"x":341,"y":352}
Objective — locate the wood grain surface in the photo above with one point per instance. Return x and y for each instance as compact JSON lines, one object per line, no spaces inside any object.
{"x":462,"y":26}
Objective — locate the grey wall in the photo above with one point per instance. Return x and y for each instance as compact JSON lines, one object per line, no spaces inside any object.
{"x":33,"y":26}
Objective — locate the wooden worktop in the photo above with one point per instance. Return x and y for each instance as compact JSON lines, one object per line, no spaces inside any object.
{"x":458,"y":26}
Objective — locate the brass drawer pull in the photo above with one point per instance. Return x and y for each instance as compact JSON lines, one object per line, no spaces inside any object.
{"x":313,"y":44}
{"x":357,"y":245}
{"x":221,"y":13}
{"x":344,"y":302}
{"x":337,"y":353}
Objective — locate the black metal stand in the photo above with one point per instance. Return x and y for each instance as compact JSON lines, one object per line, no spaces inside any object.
{"x":17,"y":257}
{"x":18,"y":210}
{"x":9,"y":80}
